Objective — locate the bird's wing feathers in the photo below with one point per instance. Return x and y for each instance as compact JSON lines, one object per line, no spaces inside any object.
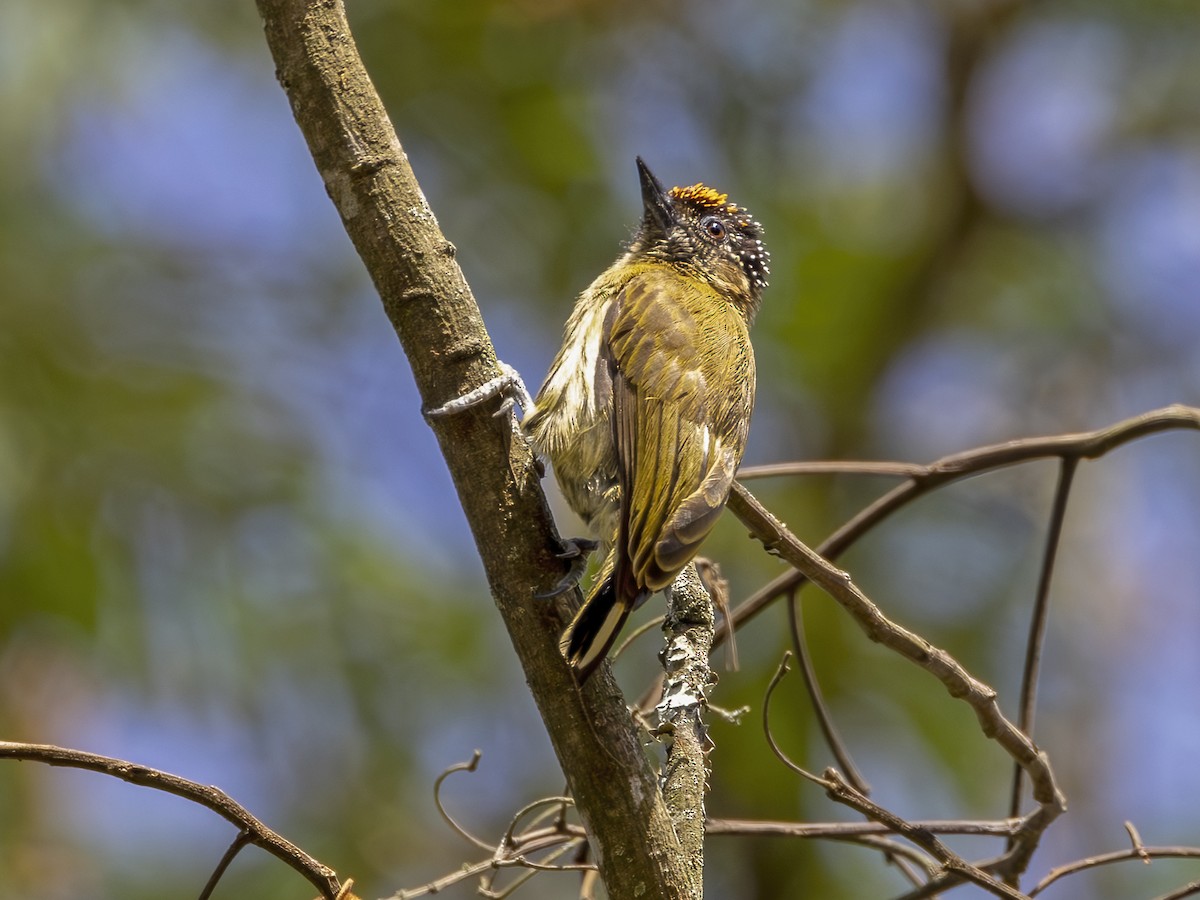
{"x":683,"y":387}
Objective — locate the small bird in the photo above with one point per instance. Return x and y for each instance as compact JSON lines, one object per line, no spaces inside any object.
{"x":645,"y":410}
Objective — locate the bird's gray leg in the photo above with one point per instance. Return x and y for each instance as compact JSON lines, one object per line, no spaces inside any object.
{"x":507,"y":384}
{"x":510,"y":386}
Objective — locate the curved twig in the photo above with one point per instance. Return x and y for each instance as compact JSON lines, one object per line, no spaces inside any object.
{"x":323,"y":878}
{"x":560,"y":827}
{"x":841,"y":791}
{"x":783,"y":668}
{"x":1106,"y":859}
{"x":824,"y":718}
{"x":469,"y":766}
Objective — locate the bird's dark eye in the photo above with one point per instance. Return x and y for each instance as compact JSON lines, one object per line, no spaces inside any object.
{"x":713,"y":227}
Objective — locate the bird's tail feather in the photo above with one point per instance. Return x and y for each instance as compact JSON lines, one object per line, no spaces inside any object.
{"x":595,"y":627}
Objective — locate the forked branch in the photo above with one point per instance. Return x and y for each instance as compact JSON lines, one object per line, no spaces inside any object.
{"x":923,"y":479}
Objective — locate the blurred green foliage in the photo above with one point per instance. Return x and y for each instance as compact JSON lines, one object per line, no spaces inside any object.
{"x":227,"y":544}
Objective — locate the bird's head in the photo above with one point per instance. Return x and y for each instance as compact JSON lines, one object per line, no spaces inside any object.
{"x":698,"y":229}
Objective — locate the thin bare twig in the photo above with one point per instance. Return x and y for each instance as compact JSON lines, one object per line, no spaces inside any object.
{"x":1136,"y":840}
{"x":546,"y":864}
{"x":1191,"y":889}
{"x":323,"y":878}
{"x":717,"y":586}
{"x":866,"y":834}
{"x":239,"y":842}
{"x":833,"y":738}
{"x":824,"y":718}
{"x":899,"y":854}
{"x":934,"y":887}
{"x":841,"y":791}
{"x":556,"y":811}
{"x":1072,"y":447}
{"x":922,"y":480}
{"x":1106,"y":859}
{"x":958,"y":682}
{"x":783,"y":668}
{"x":1038,"y":619}
{"x":645,"y":628}
{"x":832,"y":467}
{"x":469,"y":766}
{"x":515,"y":850}
{"x":468,"y":870}
{"x":762,"y":827}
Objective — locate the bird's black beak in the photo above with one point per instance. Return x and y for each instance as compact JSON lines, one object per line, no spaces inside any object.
{"x":659,"y":214}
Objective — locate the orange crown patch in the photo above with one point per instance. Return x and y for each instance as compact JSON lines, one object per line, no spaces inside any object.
{"x":703,"y":195}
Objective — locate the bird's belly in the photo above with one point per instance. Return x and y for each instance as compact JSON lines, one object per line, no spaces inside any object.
{"x":585,"y":466}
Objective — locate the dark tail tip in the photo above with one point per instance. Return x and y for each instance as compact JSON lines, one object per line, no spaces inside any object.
{"x":595,"y":627}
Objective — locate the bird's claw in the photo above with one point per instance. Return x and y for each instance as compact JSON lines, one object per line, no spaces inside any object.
{"x":575,"y":547}
{"x":577,"y":551}
{"x":507,"y":385}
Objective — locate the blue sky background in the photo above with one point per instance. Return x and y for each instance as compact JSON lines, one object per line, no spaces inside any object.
{"x":228,"y":544}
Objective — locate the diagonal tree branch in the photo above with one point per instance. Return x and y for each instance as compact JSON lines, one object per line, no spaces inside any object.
{"x":775,"y":536}
{"x":924,"y":479}
{"x":425,"y":295}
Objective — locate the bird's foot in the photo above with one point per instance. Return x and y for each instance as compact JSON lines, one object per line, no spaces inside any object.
{"x":508,"y":385}
{"x":577,"y":551}
{"x":576,"y":547}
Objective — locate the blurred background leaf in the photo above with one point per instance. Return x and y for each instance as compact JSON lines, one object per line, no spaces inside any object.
{"x":228,"y":547}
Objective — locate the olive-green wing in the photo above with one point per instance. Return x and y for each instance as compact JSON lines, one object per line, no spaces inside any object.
{"x":683,"y":389}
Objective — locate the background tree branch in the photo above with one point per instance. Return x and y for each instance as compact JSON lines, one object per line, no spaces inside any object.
{"x":251,"y":829}
{"x":920,"y":480}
